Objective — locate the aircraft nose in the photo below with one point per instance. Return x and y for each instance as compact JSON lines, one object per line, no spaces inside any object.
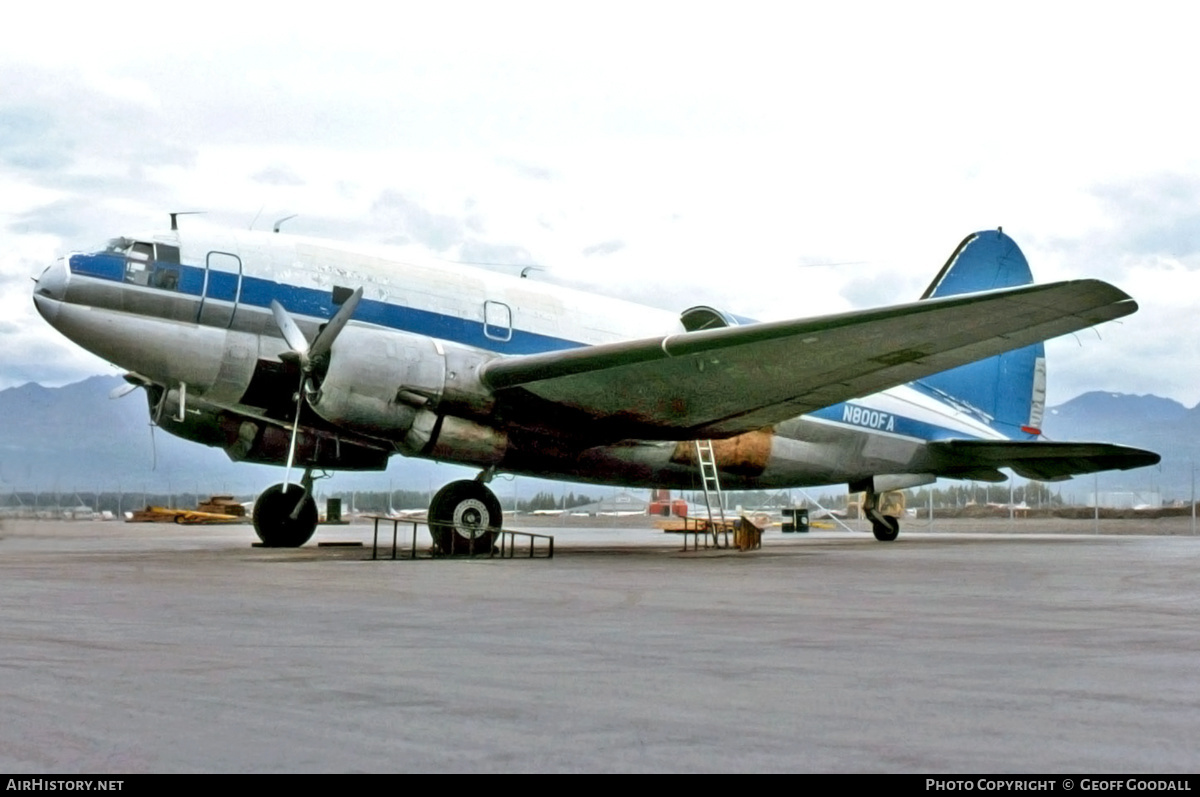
{"x":53,"y":280}
{"x":50,"y":288}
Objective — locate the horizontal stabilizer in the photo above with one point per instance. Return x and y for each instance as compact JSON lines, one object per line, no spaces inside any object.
{"x":1038,"y":460}
{"x":721,"y":382}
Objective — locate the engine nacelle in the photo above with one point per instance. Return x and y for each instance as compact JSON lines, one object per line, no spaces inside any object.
{"x":449,"y":437}
{"x":249,"y":440}
{"x":421,"y":394}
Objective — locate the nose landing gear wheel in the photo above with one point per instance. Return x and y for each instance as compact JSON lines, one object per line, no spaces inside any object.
{"x":464,"y":517}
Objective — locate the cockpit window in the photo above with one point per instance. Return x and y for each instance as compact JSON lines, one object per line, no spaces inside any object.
{"x":150,"y":264}
{"x":137,"y":263}
{"x":165,"y":253}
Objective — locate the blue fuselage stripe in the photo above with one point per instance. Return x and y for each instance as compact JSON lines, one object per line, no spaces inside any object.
{"x":318,"y":303}
{"x":860,"y":417}
{"x":105,"y":266}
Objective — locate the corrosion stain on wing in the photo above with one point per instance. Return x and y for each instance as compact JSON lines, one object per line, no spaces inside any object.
{"x":743,"y":455}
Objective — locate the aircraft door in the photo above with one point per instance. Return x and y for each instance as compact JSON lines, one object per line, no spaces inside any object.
{"x":222,"y":289}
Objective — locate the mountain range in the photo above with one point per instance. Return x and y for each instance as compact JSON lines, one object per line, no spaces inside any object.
{"x":76,"y":438}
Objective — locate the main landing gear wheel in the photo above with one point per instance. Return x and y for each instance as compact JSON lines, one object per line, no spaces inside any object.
{"x":886,"y":527}
{"x":273,"y":516}
{"x":464,"y":517}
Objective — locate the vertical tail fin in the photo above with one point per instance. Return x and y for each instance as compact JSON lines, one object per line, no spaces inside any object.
{"x":1007,"y":391}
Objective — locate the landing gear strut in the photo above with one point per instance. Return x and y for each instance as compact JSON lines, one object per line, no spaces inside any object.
{"x":885,"y":527}
{"x":286,"y":519}
{"x":464,"y":517}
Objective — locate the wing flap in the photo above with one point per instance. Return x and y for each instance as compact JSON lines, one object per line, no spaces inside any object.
{"x":716,"y":383}
{"x":1037,"y":459}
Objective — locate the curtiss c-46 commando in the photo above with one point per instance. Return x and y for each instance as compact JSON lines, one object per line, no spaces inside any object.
{"x":325,"y":356}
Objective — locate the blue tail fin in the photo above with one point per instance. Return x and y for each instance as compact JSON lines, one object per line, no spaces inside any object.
{"x":1008,"y":391}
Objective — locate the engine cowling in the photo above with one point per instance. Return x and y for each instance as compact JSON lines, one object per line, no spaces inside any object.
{"x":377,"y":381}
{"x":421,"y":394}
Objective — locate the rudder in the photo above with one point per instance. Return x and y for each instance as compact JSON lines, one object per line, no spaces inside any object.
{"x":1007,"y":391}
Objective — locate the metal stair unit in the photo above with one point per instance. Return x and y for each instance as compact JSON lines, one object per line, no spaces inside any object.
{"x":712,"y":485}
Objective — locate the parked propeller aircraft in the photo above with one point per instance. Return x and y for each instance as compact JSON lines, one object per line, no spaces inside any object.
{"x":301,"y":352}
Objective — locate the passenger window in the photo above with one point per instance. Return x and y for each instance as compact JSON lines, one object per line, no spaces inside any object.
{"x":497,"y":321}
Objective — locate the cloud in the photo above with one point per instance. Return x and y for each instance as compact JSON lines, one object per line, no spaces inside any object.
{"x":495,"y":255}
{"x":1159,"y":215}
{"x":529,"y":170}
{"x":604,"y":248}
{"x":277,"y":175}
{"x":864,"y":286}
{"x":54,"y":120}
{"x":29,"y":141}
{"x":410,"y":221}
{"x":76,"y":220}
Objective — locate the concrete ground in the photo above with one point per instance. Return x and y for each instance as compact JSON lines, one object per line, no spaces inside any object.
{"x":159,"y":648}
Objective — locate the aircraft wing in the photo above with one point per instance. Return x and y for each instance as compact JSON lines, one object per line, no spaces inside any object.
{"x":721,"y":382}
{"x":1036,"y":459}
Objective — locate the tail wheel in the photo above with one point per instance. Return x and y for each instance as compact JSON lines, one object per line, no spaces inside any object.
{"x":464,"y":517}
{"x":273,"y":521}
{"x":886,"y":527}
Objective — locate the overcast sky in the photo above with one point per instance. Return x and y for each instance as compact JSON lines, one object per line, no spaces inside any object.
{"x":774,"y":159}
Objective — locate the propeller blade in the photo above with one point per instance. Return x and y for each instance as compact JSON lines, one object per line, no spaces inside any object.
{"x":306,"y":354}
{"x":122,"y":390}
{"x":134,"y":380}
{"x":329,"y":333}
{"x":287,"y":474}
{"x":291,"y":333}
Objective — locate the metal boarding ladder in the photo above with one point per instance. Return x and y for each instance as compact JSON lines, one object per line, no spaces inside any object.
{"x":711,"y":483}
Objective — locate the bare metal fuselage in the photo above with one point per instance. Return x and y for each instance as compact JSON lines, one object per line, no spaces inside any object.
{"x":404,"y":376}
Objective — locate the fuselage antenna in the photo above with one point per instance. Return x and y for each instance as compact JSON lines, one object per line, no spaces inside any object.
{"x":175,"y":216}
{"x":279,"y":223}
